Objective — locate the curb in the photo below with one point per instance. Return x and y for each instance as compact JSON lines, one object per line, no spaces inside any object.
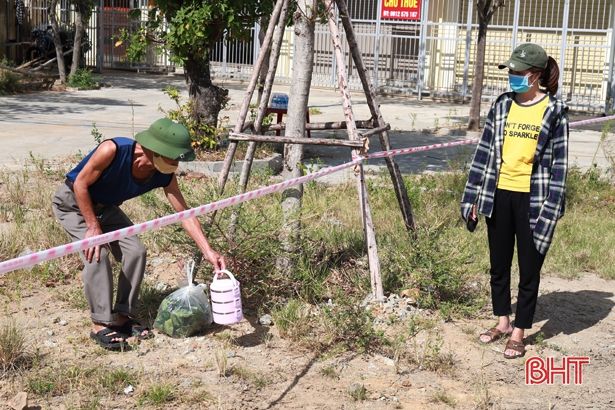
{"x":213,"y":168}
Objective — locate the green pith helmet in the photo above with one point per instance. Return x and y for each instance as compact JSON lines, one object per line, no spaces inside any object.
{"x":167,"y":138}
{"x":526,"y":56}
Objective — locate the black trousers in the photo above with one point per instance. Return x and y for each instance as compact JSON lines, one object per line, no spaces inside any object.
{"x":510,"y":220}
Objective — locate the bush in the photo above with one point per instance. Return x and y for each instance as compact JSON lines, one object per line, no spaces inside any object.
{"x":82,"y":80}
{"x":204,"y":136}
{"x":9,"y":82}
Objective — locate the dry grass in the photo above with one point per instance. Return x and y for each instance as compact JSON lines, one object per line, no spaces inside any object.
{"x":14,"y":354}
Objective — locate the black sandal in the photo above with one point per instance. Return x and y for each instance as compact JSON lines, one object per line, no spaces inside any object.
{"x":136,"y":329}
{"x":106,"y":339}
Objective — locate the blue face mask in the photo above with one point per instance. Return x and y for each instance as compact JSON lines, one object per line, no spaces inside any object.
{"x":519,"y":83}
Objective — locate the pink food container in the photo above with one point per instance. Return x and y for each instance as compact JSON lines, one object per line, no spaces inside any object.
{"x":225,"y":296}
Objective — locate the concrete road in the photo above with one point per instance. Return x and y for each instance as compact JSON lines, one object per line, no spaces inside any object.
{"x":54,"y":124}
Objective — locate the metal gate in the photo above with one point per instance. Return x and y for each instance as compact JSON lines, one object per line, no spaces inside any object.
{"x":108,"y":18}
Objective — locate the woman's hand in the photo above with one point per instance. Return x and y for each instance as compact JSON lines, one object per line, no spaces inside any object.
{"x":473,"y":214}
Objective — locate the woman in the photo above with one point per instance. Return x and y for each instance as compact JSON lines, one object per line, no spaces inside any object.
{"x":517,"y":180}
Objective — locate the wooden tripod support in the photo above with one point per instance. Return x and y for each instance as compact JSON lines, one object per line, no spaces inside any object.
{"x":356,"y":140}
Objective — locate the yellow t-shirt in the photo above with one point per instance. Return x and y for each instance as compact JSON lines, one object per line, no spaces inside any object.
{"x":521,"y":132}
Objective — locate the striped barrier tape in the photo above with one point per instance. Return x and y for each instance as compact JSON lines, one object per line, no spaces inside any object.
{"x":591,"y":121}
{"x":63,"y":250}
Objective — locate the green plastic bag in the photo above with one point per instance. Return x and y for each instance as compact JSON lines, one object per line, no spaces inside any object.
{"x":186,"y":311}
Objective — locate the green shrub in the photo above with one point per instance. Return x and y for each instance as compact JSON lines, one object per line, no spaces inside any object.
{"x":204,"y":136}
{"x":9,"y":82}
{"x":82,"y":80}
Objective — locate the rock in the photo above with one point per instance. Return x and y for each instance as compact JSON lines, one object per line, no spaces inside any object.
{"x":129,"y":390}
{"x":265,"y":320}
{"x":49,"y":343}
{"x":62,"y":322}
{"x":388,"y":361}
{"x":369,"y":299}
{"x":50,"y":333}
{"x":230,"y":355}
{"x":411,"y":295}
{"x":155,"y":261}
{"x":19,"y":402}
{"x":161,"y":287}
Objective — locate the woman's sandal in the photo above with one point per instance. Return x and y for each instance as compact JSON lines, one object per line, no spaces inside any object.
{"x":493,"y":334}
{"x":517,"y":347}
{"x":107,"y":338}
{"x":136,"y":330}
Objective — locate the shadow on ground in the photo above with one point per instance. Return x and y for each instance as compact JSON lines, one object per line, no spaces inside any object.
{"x":571,"y":312}
{"x":444,"y":159}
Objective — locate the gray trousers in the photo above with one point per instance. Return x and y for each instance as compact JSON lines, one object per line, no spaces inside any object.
{"x":98,"y":276}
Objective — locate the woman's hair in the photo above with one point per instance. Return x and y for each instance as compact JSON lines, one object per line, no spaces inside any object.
{"x":550,"y":76}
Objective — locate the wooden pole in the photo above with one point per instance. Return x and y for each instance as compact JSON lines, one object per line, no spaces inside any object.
{"x":377,"y":130}
{"x":230,"y":153}
{"x":368,"y":226}
{"x":262,"y":108}
{"x":368,"y":124}
{"x":291,"y":140}
{"x":396,"y":177}
{"x":274,"y":57}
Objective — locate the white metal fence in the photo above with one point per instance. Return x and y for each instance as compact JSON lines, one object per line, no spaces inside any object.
{"x":435,"y":56}
{"x":431,"y":57}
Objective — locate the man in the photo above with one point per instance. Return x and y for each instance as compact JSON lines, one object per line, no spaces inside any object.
{"x":87,"y":204}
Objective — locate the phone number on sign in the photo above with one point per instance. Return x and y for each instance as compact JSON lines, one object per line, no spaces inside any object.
{"x":400,"y":14}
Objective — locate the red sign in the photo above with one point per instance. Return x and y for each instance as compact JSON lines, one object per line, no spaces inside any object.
{"x":401,"y":9}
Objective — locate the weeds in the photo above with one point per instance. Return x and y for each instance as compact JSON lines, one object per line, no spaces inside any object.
{"x":357,"y":392}
{"x":157,"y":394}
{"x":96,"y":134}
{"x":441,"y":396}
{"x":252,"y":377}
{"x":74,"y":296}
{"x":14,"y":355}
{"x":9,"y":82}
{"x":221,"y":360}
{"x":116,"y":380}
{"x":292,"y":320}
{"x":329,"y":372}
{"x":82,"y":80}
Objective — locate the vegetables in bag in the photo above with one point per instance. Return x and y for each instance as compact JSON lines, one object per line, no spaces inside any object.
{"x":186,"y":311}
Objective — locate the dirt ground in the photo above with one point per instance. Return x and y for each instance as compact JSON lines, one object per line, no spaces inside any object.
{"x":574,"y":317}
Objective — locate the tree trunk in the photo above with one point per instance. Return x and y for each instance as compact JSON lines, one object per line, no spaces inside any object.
{"x":207,"y":98}
{"x":485,"y":9}
{"x":53,"y":21}
{"x":479,"y":74}
{"x":80,"y":21}
{"x":303,"y":63}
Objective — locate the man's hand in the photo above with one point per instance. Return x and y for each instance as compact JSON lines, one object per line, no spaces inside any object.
{"x":93,"y":253}
{"x":473,"y":213}
{"x":215,"y":259}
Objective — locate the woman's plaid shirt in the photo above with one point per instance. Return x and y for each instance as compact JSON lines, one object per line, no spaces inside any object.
{"x":548,"y":179}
